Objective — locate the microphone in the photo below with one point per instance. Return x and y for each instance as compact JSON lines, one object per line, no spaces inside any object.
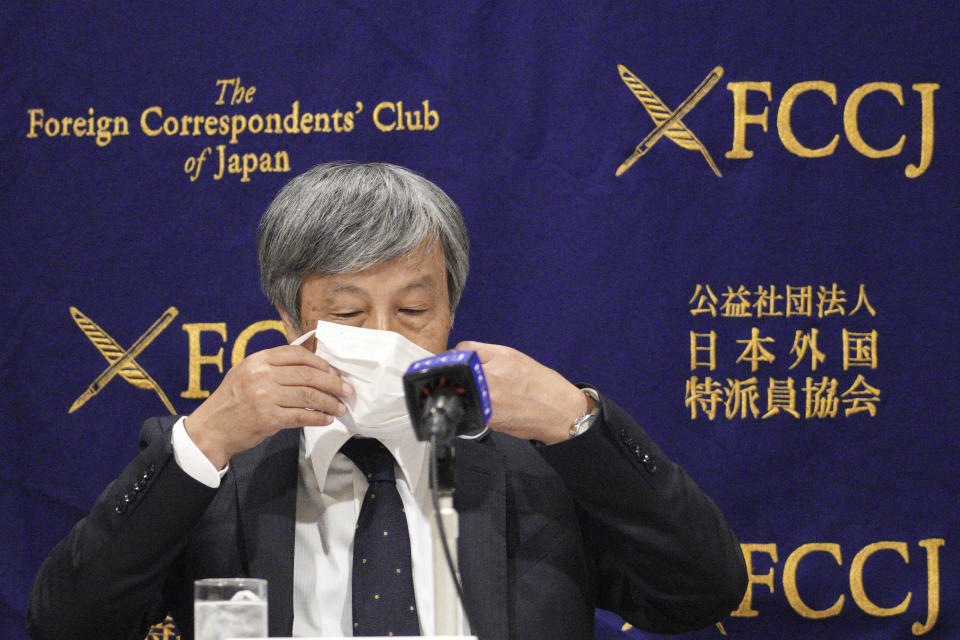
{"x":447,"y":396}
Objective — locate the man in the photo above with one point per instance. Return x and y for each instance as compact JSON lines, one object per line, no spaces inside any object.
{"x":567,"y":505}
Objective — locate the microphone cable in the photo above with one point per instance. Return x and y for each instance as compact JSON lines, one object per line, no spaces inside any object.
{"x":435,"y":495}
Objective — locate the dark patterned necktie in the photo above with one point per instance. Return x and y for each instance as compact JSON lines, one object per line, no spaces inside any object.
{"x":383,"y":597}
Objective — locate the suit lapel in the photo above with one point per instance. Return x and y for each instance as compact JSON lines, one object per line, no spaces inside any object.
{"x":266,"y":480}
{"x":480,"y":500}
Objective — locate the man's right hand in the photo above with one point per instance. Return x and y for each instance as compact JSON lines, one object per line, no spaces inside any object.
{"x":279,"y":388}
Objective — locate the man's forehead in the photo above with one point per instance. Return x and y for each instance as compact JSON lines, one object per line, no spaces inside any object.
{"x":421,"y":268}
{"x":426,"y":281}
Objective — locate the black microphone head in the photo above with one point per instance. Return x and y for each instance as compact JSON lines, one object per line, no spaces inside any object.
{"x":456,"y":372}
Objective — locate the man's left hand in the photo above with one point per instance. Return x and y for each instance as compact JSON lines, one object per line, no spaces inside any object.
{"x":529,"y":400}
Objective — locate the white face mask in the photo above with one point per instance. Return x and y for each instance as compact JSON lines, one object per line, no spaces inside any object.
{"x":373,"y":363}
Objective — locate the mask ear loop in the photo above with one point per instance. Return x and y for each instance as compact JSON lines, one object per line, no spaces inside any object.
{"x":304,"y":337}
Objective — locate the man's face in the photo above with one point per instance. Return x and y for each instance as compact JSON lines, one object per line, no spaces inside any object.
{"x":407,"y":295}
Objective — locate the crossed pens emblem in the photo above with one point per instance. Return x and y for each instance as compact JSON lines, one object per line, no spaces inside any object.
{"x":668,"y":123}
{"x":121,"y":362}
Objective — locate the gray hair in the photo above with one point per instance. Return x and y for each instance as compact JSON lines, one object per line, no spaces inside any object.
{"x":341,"y":217}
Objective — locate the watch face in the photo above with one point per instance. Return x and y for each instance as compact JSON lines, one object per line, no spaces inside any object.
{"x":582,"y":424}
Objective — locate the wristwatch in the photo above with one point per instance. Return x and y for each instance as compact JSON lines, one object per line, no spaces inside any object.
{"x":581,"y":424}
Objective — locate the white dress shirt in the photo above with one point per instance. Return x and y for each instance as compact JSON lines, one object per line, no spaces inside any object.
{"x":330,"y":491}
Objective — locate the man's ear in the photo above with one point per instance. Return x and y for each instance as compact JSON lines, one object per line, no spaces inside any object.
{"x":288,"y":328}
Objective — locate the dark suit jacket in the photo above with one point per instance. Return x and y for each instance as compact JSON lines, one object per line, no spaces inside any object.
{"x":546,"y":535}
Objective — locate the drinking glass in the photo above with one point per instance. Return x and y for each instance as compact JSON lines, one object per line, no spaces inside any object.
{"x":230,"y":608}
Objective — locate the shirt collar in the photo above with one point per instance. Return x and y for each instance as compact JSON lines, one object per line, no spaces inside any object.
{"x":322,"y":443}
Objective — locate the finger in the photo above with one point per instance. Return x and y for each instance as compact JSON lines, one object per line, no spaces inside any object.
{"x":484,"y":351}
{"x":308,"y":398}
{"x":291,"y":418}
{"x":291,"y":355}
{"x":304,"y":376}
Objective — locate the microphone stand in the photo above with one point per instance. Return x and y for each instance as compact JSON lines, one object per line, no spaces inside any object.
{"x":445,"y":529}
{"x":441,"y":422}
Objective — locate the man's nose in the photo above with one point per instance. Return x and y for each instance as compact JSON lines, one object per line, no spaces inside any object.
{"x":382,"y":320}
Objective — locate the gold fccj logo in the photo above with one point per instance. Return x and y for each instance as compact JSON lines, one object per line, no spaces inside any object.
{"x":668,"y":123}
{"x":119,"y":361}
{"x":861,"y":132}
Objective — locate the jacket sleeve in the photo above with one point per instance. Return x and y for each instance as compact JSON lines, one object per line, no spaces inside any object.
{"x":664,"y":557}
{"x":106,"y":578}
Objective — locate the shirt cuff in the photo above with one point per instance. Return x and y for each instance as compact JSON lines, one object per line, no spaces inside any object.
{"x":191,"y":460}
